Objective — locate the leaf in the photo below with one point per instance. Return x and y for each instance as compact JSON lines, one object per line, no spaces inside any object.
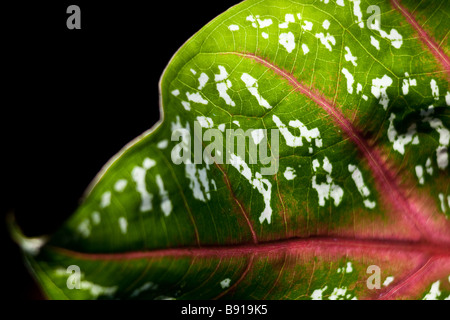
{"x":362,"y":186}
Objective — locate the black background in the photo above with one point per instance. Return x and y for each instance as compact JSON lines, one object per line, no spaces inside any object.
{"x":73,"y":98}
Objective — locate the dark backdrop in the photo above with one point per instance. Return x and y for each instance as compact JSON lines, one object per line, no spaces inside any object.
{"x":73,"y":98}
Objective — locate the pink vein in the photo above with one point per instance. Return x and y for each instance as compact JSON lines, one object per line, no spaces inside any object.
{"x":434,"y":48}
{"x":414,"y":276}
{"x":329,"y":244}
{"x":381,"y":174}
{"x":241,"y":278}
{"x":241,"y":207}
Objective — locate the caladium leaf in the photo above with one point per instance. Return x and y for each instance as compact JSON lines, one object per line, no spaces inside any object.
{"x":350,"y":199}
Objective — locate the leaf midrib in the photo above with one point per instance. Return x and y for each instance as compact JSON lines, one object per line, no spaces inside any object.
{"x":429,"y":249}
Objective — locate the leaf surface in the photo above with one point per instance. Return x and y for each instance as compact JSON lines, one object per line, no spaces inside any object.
{"x":362,"y":180}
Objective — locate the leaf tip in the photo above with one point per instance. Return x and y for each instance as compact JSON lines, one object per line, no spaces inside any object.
{"x":31,"y":246}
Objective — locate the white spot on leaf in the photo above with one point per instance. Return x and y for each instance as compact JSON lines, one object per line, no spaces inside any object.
{"x":375,"y":42}
{"x":163,"y":144}
{"x":349,"y":268}
{"x":305,"y":48}
{"x":257,"y":135}
{"x":252,"y":86}
{"x":296,"y":141}
{"x":223,"y":84}
{"x":428,"y":167}
{"x":307,"y":26}
{"x":123,"y":224}
{"x":106,"y":199}
{"x":263,"y":186}
{"x":395,"y":38}
{"x":186,"y":105}
{"x":287,"y":18}
{"x":262,"y":23}
{"x":400,"y":140}
{"x":350,"y":80}
{"x":146,"y":286}
{"x":289,"y":173}
{"x":338,"y":294}
{"x":225,"y":283}
{"x":388,"y":281}
{"x":444,"y":136}
{"x":434,"y":291}
{"x":329,"y":188}
{"x":120,"y":185}
{"x":358,"y":88}
{"x":205,"y":122}
{"x":84,"y":228}
{"x":202,"y":80}
{"x":223,"y":74}
{"x":357,"y":12}
{"x":96,"y":217}
{"x":326,"y":40}
{"x":138,"y":174}
{"x":407,"y":83}
{"x":166,"y":204}
{"x":361,"y":186}
{"x":196,"y":97}
{"x":441,"y":199}
{"x":287,"y":40}
{"x":199,"y":183}
{"x":434,"y":89}
{"x":349,"y":57}
{"x":97,"y":290}
{"x":379,"y":87}
{"x":419,"y":174}
{"x":318,"y":293}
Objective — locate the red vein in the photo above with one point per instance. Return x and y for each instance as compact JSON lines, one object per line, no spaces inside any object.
{"x":426,"y":39}
{"x":315,"y":244}
{"x":191,"y":217}
{"x":241,"y":207}
{"x":243,"y":275}
{"x":382,"y":176}
{"x":277,"y":280}
{"x":414,"y":276}
{"x":284,"y":207}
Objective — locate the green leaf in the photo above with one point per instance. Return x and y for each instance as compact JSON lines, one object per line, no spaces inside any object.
{"x":355,"y":184}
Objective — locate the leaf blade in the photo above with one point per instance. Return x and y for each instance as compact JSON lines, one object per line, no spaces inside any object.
{"x":353,"y":169}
